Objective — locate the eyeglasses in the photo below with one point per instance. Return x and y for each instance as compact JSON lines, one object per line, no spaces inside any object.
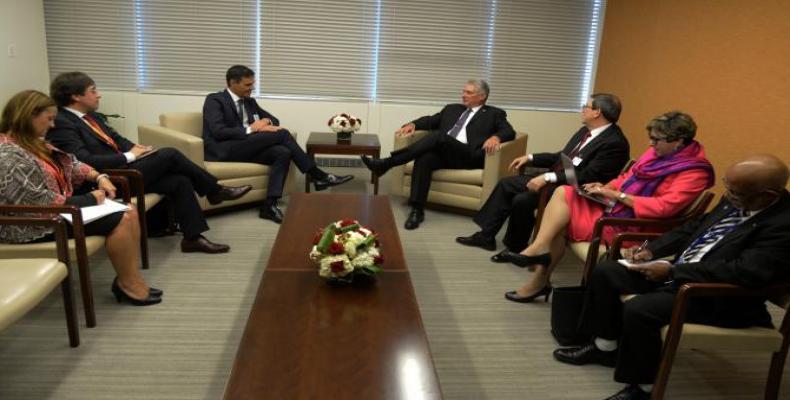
{"x":586,"y":106}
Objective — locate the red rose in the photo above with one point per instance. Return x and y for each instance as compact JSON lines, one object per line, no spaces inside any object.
{"x":337,"y":267}
{"x":336,"y":248}
{"x":347,"y":222}
{"x":317,"y":237}
{"x":378,"y":260}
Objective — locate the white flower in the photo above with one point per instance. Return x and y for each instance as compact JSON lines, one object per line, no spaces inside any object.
{"x":326,"y":266}
{"x":344,"y":123}
{"x":315,"y":255}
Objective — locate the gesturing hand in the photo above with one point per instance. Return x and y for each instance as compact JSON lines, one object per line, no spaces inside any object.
{"x":405,"y":130}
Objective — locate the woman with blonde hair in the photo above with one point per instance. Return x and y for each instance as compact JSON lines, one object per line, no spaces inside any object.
{"x":36,"y":173}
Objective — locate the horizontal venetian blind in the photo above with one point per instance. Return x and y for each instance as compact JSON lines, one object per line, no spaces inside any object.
{"x":542,"y":52}
{"x":320,"y":48}
{"x":188,"y":45}
{"x":429,"y":49}
{"x":92,"y":36}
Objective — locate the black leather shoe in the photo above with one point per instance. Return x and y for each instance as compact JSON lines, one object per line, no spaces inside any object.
{"x":203,"y":245}
{"x":477,"y":240}
{"x":513,"y":296}
{"x":152,"y":291}
{"x":120,"y":295}
{"x":586,"y":354}
{"x":227,"y":193}
{"x":500,"y":257}
{"x":415,"y":218}
{"x":377,"y":166}
{"x":331,"y":180}
{"x":630,"y":392}
{"x":271,"y":212}
{"x":525,"y":261}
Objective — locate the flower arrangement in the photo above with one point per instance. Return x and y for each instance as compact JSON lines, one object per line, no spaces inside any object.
{"x":345,"y":250}
{"x":344,"y":123}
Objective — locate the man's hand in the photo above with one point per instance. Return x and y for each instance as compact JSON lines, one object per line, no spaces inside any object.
{"x":654,"y":270}
{"x":106,"y":187}
{"x":258,"y":125}
{"x":98,"y":195}
{"x":536,"y":183}
{"x":518,"y":163}
{"x":491,"y":145}
{"x":139,"y":150}
{"x":405,"y":130}
{"x":641,"y":256}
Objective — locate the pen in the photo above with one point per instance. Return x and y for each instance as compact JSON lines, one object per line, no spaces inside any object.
{"x":638,"y":249}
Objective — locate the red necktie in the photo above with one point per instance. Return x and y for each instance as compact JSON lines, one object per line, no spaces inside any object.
{"x":578,"y":148}
{"x":100,"y":133}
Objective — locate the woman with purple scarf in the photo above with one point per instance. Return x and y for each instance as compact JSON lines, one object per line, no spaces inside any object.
{"x":665,"y":180}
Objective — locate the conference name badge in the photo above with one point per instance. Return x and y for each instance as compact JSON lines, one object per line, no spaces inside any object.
{"x":576,"y":161}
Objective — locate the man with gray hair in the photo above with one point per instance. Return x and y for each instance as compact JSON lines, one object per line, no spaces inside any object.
{"x":460,"y":137}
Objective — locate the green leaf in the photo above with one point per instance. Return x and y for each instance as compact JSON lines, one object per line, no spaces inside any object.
{"x":349,"y":228}
{"x":327,"y":238}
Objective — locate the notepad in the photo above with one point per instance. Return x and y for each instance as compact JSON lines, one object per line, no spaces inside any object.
{"x":92,"y":213}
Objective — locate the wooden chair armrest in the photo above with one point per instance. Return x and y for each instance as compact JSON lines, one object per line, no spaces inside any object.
{"x":542,"y":202}
{"x":134,"y":183}
{"x":56,"y":222}
{"x":78,"y":227}
{"x":620,"y":238}
{"x":635,"y":222}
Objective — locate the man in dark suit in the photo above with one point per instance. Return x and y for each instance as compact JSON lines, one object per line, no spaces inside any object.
{"x":460,"y":137}
{"x":744,"y":241}
{"x":80,"y":131}
{"x":599,"y":150}
{"x":235,"y":128}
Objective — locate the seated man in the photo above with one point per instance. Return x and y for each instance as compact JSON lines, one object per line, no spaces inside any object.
{"x":236,"y":128}
{"x":460,"y":137}
{"x":743,"y":241}
{"x":599,"y":150}
{"x":78,"y":130}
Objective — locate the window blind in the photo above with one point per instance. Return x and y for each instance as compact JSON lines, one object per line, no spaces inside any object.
{"x":92,"y":36}
{"x":187,"y":45}
{"x":319,"y":48}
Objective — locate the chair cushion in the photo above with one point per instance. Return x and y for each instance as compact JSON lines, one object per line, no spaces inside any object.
{"x":704,"y":337}
{"x":580,"y":249}
{"x":467,"y":176}
{"x":187,"y":122}
{"x":47,"y":249}
{"x":151,"y":199}
{"x":229,"y":170}
{"x":24,"y":283}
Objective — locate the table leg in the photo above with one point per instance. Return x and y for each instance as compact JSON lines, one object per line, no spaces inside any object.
{"x":374,"y":178}
{"x":306,"y":175}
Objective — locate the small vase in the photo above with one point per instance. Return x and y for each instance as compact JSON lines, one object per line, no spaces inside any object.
{"x":344,"y":137}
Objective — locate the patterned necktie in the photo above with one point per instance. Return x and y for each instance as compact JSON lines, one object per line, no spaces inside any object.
{"x":726,"y":225}
{"x":240,"y":109}
{"x":578,"y":148}
{"x":456,"y":129}
{"x":100,"y":132}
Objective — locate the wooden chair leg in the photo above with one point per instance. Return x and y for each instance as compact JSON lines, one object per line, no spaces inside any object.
{"x":143,"y":237}
{"x":71,"y":316}
{"x":775,"y":372}
{"x":86,"y":287}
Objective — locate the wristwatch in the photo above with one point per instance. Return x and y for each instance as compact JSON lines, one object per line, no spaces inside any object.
{"x":622,"y":196}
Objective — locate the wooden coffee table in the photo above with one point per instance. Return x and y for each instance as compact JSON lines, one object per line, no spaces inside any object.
{"x":305,"y":339}
{"x":327,"y":143}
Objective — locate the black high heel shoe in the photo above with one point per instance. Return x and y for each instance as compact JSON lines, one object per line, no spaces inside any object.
{"x":513,"y":296}
{"x":525,"y":261}
{"x":121,"y":295}
{"x":155,"y":292}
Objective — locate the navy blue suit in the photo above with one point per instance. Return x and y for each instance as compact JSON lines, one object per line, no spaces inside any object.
{"x":225,"y":139}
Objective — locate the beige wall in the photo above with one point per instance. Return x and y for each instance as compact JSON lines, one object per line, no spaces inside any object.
{"x":548,"y":130}
{"x":725,"y":62}
{"x":22,"y":26}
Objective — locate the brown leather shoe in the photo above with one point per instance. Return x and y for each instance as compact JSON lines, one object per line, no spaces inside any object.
{"x":227,"y":193}
{"x":201,"y":244}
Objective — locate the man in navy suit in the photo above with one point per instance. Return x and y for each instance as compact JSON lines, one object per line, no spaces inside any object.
{"x":80,"y":131}
{"x":460,"y":137}
{"x":599,"y":150}
{"x":743,"y":241}
{"x":236,"y":128}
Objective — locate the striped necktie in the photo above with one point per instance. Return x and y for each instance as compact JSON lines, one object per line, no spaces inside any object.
{"x":726,"y":225}
{"x":456,"y":129}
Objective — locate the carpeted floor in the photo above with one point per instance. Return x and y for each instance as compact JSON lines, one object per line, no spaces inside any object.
{"x":484,"y":347}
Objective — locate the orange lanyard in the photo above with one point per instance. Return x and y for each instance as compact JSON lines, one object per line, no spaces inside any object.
{"x":55,"y":170}
{"x":100,"y":133}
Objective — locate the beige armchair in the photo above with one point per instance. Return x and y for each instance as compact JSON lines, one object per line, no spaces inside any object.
{"x":184,"y":131}
{"x":25,"y":282}
{"x":460,"y":188}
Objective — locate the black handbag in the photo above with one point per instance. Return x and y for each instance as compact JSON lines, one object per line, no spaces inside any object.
{"x":566,"y":308}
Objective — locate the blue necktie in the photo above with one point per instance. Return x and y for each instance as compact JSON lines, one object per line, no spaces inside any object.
{"x":726,"y":225}
{"x":456,"y":129}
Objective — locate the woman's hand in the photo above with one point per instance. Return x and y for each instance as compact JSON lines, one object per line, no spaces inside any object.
{"x":99,"y":196}
{"x":106,"y":186}
{"x":590,"y":187}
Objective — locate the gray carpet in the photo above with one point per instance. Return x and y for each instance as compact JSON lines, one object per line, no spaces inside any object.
{"x":484,"y":347}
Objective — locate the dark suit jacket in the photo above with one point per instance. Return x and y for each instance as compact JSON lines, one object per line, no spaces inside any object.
{"x":602,"y":159}
{"x":72,"y":135}
{"x":756,"y":254}
{"x":487,"y":121}
{"x":222,"y":126}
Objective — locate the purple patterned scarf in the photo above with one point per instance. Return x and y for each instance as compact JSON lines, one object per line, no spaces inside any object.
{"x":650,"y":170}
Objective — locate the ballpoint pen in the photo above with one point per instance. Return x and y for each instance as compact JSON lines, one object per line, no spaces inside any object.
{"x":638,"y":249}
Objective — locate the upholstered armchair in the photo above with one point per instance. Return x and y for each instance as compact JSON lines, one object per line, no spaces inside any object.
{"x":460,"y":188}
{"x":184,"y":131}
